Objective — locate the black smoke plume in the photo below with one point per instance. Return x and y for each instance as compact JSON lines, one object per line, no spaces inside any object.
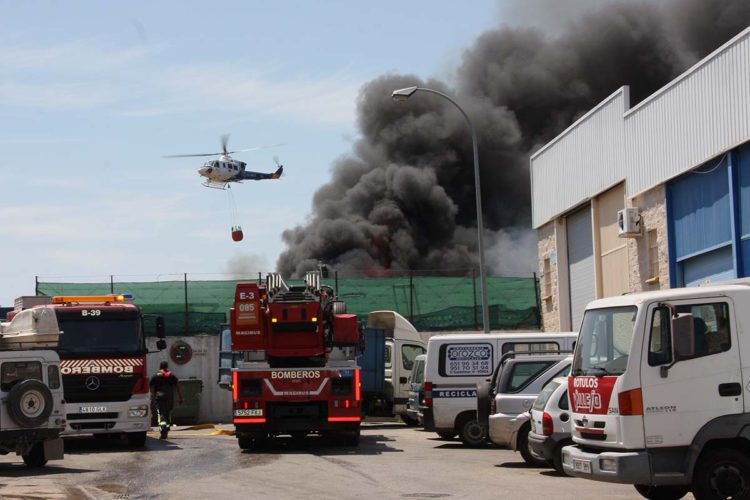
{"x":404,"y":197}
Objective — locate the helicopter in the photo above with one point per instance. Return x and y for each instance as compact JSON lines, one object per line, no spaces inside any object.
{"x":219,"y":173}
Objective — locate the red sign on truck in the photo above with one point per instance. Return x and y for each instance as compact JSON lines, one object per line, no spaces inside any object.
{"x":590,"y":395}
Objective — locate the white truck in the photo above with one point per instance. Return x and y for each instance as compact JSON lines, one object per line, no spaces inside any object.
{"x":659,"y":393}
{"x":32,"y":409}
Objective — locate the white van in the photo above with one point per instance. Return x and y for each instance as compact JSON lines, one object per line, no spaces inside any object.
{"x":457,"y":362}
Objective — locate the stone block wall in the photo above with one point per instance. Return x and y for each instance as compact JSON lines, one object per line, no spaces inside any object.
{"x":653,"y":216}
{"x":547,"y":249}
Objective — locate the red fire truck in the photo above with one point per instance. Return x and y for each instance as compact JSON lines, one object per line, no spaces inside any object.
{"x":103,"y":363}
{"x":295,"y":370}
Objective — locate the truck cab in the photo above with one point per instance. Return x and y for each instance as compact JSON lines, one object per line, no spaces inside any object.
{"x":658,"y":393}
{"x":403,"y":344}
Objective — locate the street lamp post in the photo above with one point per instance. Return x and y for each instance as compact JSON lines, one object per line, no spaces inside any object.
{"x":403,"y":95}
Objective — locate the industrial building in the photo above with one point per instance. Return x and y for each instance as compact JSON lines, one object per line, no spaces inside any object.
{"x":679,"y":161}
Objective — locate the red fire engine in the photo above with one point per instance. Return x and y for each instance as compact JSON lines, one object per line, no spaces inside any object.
{"x":296,"y":371}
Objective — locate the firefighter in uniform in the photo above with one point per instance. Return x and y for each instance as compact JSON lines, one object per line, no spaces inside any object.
{"x":163,"y":385}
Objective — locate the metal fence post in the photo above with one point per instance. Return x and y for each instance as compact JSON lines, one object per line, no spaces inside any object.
{"x":474,"y":285}
{"x":187,"y":313}
{"x":411,"y":296}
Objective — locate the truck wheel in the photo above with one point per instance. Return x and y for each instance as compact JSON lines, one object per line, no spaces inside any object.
{"x":351,"y":438}
{"x":35,"y":456}
{"x":136,"y":439}
{"x":661,"y":492}
{"x":411,"y":422}
{"x":531,"y":458}
{"x":30,"y":403}
{"x":447,"y":434}
{"x":722,"y":473}
{"x":245,"y":443}
{"x":471,"y":432}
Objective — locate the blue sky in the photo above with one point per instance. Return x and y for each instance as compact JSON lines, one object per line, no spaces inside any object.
{"x":92,"y":94}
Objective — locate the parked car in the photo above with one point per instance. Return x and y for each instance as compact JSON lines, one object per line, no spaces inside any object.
{"x":550,"y":423}
{"x":516,"y":387}
{"x":414,"y":406}
{"x":457,"y":362}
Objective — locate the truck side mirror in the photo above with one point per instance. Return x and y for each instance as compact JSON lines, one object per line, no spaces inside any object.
{"x":161,"y":344}
{"x":683,"y":336}
{"x":160,"y":330}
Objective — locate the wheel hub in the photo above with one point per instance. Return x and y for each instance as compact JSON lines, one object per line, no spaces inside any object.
{"x":727,"y":481}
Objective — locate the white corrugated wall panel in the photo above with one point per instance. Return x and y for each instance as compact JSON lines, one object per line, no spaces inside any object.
{"x":585,"y":159}
{"x":697,"y":117}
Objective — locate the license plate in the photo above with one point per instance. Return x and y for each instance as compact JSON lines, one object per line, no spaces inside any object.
{"x":93,"y":409}
{"x":248,"y":413}
{"x":582,"y":466}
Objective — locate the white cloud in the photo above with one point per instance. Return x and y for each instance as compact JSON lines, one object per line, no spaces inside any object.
{"x":133,"y":82}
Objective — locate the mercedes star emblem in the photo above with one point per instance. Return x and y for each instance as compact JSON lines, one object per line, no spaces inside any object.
{"x":93,"y":383}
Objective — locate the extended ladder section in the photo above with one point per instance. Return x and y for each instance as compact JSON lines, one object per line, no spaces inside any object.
{"x":287,"y":325}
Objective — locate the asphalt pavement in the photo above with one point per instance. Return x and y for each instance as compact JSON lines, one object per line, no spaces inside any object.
{"x":392,"y":462}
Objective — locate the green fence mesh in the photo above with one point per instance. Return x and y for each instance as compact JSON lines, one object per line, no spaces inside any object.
{"x":431,"y":303}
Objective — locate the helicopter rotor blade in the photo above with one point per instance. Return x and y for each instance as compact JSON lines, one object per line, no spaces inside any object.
{"x":190,"y":156}
{"x":266,"y":146}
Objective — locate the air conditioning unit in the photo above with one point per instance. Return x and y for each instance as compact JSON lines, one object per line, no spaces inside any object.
{"x":629,"y":222}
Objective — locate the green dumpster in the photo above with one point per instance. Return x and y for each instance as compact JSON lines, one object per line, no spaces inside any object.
{"x":187,"y":412}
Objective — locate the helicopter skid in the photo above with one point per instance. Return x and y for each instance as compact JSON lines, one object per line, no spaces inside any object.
{"x":215,"y":184}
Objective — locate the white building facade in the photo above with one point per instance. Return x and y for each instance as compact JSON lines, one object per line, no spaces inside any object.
{"x":681,"y":157}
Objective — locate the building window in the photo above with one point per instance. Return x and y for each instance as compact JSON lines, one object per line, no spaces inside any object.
{"x":547,"y":280}
{"x":653,"y":256}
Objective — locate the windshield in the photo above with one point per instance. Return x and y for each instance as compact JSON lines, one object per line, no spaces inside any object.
{"x":604,"y":341}
{"x":544,"y":396}
{"x":106,"y":332}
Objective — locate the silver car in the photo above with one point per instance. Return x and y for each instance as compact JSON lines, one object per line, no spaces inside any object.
{"x":520,"y":381}
{"x":414,"y":404}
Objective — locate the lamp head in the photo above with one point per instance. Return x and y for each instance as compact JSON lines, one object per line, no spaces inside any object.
{"x":403,"y":94}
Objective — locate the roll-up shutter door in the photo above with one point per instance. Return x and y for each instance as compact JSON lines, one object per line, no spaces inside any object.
{"x":701,"y":224}
{"x":580,"y":264}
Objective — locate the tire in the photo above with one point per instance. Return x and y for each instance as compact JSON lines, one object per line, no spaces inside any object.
{"x":471,"y":432}
{"x":661,"y":492}
{"x":531,"y":458}
{"x":722,"y":473}
{"x":30,"y":403}
{"x":557,"y":457}
{"x":447,"y":435}
{"x":35,"y":456}
{"x":411,"y":422}
{"x":136,"y":439}
{"x":351,"y":438}
{"x":245,"y":443}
